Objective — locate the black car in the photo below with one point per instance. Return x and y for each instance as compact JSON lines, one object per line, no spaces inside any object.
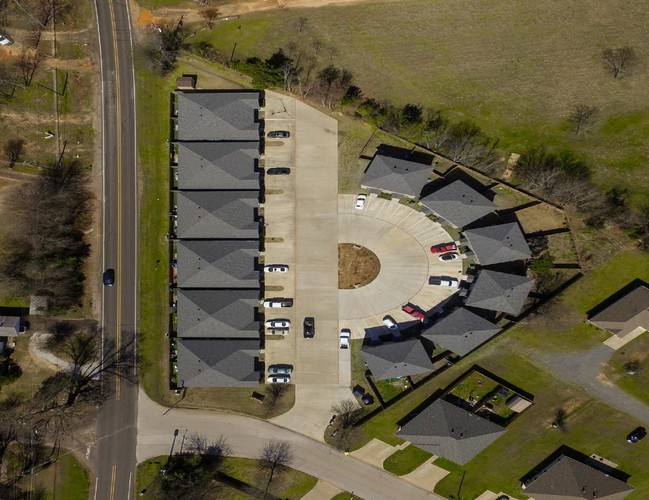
{"x":109,"y":277}
{"x":636,"y":435}
{"x":279,"y":134}
{"x":278,"y":171}
{"x":367,"y":398}
{"x":309,"y":327}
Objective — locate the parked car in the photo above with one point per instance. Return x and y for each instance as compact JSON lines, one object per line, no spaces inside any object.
{"x":280,"y":369}
{"x":5,"y":40}
{"x":278,"y":171}
{"x":636,"y":435}
{"x":276,"y":268}
{"x":390,"y":323}
{"x":449,"y":256}
{"x":279,"y":134}
{"x":109,"y":277}
{"x":277,"y":331}
{"x":443,"y":281}
{"x":367,"y":398}
{"x":415,"y":313}
{"x":278,"y":302}
{"x":360,"y":201}
{"x":309,"y":327}
{"x":279,"y":379}
{"x":278,"y":323}
{"x":443,"y":248}
{"x":345,"y":337}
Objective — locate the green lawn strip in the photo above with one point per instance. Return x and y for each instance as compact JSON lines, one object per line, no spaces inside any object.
{"x":344,"y":495}
{"x":153,"y":132}
{"x":63,"y":478}
{"x":579,"y":337}
{"x":159,"y":4}
{"x":636,"y":351}
{"x":146,"y":479}
{"x":405,"y":461}
{"x":390,"y":388}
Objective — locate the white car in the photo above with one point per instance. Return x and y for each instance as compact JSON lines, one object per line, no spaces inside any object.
{"x":272,"y":303}
{"x":278,"y":379}
{"x":360,"y":201}
{"x":278,"y":323}
{"x":4,"y":40}
{"x":345,"y":337}
{"x":449,"y":256}
{"x":276,"y":268}
{"x":390,"y":323}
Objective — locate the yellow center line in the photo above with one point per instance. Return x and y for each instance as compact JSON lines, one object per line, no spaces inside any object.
{"x":112,"y":483}
{"x":118,"y":157}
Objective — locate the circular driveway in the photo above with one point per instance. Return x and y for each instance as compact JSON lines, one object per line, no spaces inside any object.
{"x":400,"y":237}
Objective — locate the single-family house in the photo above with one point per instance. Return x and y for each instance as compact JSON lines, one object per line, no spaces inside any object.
{"x":501,"y":292}
{"x":396,"y":176}
{"x":397,"y":359}
{"x":458,"y":204}
{"x":497,"y":244}
{"x":629,"y":315}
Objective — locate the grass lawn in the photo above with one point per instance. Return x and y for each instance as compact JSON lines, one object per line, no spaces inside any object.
{"x":560,"y":326}
{"x":474,"y":387}
{"x":481,"y":64}
{"x":635,"y":351}
{"x":34,"y":371}
{"x":346,"y":496}
{"x":65,"y":478}
{"x":405,"y":461}
{"x":287,"y":484}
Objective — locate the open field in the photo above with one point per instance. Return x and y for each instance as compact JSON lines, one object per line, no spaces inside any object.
{"x":64,"y":478}
{"x":514,"y":68}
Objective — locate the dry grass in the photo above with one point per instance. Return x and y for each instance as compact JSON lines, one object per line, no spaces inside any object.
{"x":34,"y":371}
{"x":356,"y":266}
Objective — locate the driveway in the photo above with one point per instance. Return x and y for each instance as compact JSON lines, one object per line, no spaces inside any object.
{"x":247,"y":436}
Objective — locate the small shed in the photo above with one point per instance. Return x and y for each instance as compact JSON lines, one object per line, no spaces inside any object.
{"x":186,"y":82}
{"x":517,"y":403}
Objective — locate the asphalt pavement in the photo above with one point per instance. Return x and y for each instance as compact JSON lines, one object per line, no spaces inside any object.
{"x":116,"y":423}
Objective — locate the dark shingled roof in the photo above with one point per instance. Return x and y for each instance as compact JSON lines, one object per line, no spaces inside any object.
{"x":394,"y":175}
{"x":218,"y":363}
{"x":397,"y":359}
{"x":218,"y":313}
{"x":218,"y":165}
{"x":218,"y":214}
{"x":499,"y":291}
{"x":626,"y":314}
{"x":458,"y":203}
{"x":567,"y":478}
{"x":218,"y":116}
{"x":218,"y":264}
{"x":461,"y":331}
{"x":496,"y":244}
{"x":449,"y":431}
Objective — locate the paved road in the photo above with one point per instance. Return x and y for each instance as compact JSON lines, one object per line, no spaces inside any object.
{"x":584,"y":369}
{"x":247,"y":437}
{"x":116,"y":431}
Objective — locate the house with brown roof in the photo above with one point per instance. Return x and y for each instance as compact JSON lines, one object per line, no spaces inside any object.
{"x":627,"y":316}
{"x":570,"y":479}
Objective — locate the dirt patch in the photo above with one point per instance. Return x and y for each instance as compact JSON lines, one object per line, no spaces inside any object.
{"x":357,"y":266}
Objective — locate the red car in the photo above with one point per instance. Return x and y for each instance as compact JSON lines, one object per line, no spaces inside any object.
{"x":446,"y":247}
{"x":414,"y":312}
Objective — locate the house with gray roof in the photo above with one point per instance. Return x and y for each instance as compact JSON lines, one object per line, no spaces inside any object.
{"x":218,"y":165}
{"x":397,"y":359}
{"x":218,"y":363}
{"x":570,"y":479}
{"x":501,"y":292}
{"x":461,"y":332}
{"x":218,"y":116}
{"x":396,"y":176}
{"x":218,"y":214}
{"x":10,"y":326}
{"x":628,"y":315}
{"x":218,"y":264}
{"x":218,"y":313}
{"x":496,"y":244}
{"x":458,"y":204}
{"x":448,"y":431}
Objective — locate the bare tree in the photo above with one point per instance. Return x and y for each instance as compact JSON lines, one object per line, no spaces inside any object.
{"x":210,"y":16}
{"x":346,"y":411}
{"x":301,"y":24}
{"x":199,"y":445}
{"x":274,"y":393}
{"x":168,"y":40}
{"x":28,"y":63}
{"x":619,"y":60}
{"x":582,"y":117}
{"x":14,"y":150}
{"x":274,"y":456}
